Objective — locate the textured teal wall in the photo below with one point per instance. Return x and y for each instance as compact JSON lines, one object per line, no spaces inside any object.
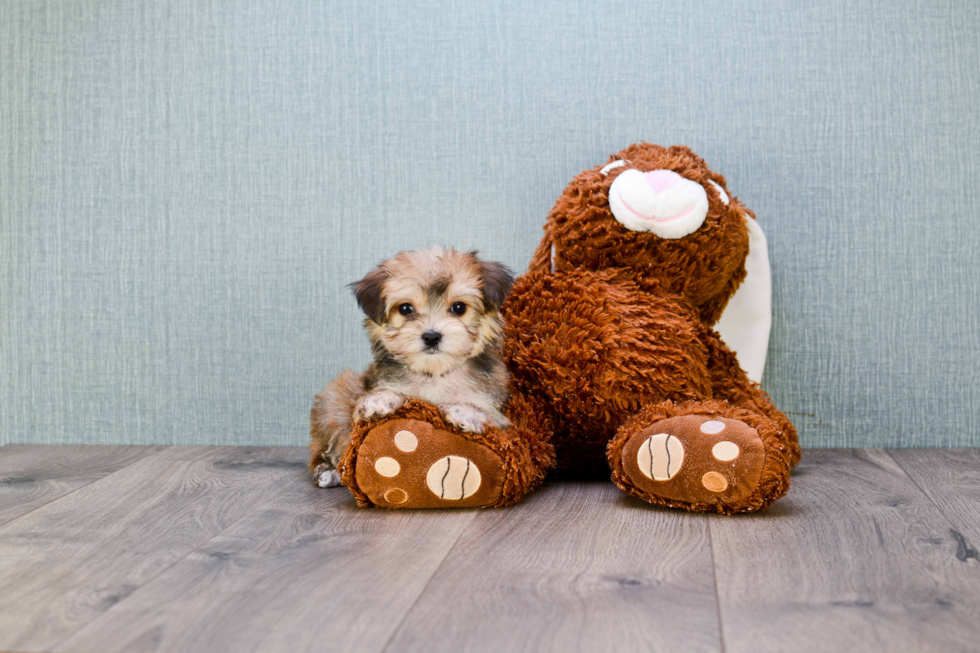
{"x":186,"y":186}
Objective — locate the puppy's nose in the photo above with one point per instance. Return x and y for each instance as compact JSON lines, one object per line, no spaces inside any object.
{"x":431,"y":338}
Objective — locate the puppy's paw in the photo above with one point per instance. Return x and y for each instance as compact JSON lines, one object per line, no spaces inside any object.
{"x":377,"y":404}
{"x":465,"y":417}
{"x":325,"y":475}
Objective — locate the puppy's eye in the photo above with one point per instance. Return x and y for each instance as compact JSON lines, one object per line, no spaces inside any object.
{"x":458,"y":308}
{"x":406,"y":309}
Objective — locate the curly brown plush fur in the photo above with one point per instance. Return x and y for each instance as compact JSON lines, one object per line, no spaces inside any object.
{"x":609,"y":324}
{"x":610,"y":342}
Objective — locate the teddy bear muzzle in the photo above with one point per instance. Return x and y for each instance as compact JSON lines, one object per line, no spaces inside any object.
{"x":661,"y":202}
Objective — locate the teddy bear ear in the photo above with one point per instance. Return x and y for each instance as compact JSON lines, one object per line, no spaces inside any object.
{"x":744,"y":325}
{"x":618,"y":163}
{"x":722,"y":195}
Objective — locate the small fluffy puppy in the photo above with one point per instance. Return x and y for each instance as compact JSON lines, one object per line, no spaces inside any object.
{"x":433,"y":317}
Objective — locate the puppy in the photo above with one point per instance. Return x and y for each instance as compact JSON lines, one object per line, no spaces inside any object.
{"x":433,"y":317}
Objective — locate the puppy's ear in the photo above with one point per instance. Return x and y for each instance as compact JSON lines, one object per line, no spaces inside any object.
{"x":497,"y":282}
{"x":369,"y":293}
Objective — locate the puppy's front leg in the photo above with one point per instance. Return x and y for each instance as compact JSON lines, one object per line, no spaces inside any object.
{"x":377,"y":404}
{"x":326,"y":475}
{"x":465,"y":417}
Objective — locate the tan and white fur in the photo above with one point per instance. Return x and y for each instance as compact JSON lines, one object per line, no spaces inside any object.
{"x":433,"y":317}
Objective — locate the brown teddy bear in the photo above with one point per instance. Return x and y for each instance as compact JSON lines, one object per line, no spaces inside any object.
{"x":614,"y":358}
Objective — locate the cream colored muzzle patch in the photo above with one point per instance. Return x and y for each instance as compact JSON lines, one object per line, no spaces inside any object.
{"x":660,"y":201}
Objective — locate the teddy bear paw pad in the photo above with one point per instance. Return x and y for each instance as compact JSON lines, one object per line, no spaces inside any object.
{"x":405,"y":463}
{"x":453,"y":478}
{"x":696,"y":459}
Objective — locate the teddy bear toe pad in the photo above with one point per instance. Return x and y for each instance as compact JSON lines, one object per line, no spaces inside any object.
{"x":695,"y":459}
{"x":406,"y":463}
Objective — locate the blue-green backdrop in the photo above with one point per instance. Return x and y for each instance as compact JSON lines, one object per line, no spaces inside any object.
{"x":187,"y":185}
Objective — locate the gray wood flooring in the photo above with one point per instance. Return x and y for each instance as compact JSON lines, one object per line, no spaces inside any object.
{"x":232,"y":549}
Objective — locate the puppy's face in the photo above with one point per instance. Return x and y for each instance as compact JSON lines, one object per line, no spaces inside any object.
{"x":434,"y":309}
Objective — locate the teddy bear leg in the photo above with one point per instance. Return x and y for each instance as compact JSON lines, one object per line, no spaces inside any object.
{"x":729,"y":382}
{"x":415,"y":459}
{"x":702,"y":456}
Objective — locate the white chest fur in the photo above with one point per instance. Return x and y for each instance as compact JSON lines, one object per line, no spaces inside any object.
{"x":456,"y":387}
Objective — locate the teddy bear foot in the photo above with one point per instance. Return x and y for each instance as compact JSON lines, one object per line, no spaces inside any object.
{"x":697,"y":462}
{"x":408,"y":463}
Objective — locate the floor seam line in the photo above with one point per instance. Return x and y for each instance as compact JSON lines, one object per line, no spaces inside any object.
{"x":425,"y":587}
{"x":164,"y":570}
{"x":82,"y":487}
{"x":714,"y":578}
{"x":953,"y":525}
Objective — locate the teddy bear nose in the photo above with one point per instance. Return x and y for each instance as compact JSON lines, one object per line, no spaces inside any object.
{"x":661,"y":180}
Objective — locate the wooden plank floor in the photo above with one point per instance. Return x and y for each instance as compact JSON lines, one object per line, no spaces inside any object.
{"x":232,"y":549}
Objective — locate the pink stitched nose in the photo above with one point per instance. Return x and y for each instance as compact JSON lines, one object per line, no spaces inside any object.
{"x":661,"y":180}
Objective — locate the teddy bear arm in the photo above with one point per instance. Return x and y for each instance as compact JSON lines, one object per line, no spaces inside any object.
{"x":599,"y":347}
